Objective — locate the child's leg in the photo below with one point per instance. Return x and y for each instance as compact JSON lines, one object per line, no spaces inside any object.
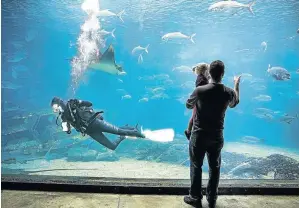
{"x":190,"y":125}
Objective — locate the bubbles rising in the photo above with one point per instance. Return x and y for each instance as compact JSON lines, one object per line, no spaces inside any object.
{"x":90,"y":6}
{"x":89,"y":43}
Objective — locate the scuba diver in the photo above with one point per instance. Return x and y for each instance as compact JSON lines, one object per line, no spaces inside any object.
{"x":81,"y":116}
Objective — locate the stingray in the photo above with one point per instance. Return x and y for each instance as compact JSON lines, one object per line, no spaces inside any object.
{"x":106,"y":63}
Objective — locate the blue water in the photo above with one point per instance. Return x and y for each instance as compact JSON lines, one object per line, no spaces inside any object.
{"x":38,"y":38}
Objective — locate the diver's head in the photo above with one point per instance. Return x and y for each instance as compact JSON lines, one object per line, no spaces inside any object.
{"x":57,"y":105}
{"x":217,"y":70}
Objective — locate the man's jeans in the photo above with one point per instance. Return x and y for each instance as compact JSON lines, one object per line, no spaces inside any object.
{"x":201,"y":142}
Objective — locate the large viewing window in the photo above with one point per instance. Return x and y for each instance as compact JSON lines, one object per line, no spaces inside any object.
{"x":133,"y":60}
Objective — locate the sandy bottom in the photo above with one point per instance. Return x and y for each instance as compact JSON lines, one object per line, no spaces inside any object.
{"x":124,"y":168}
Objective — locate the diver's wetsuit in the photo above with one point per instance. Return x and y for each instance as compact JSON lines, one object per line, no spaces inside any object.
{"x":96,"y":128}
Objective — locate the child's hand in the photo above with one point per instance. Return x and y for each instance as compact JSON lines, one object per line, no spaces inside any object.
{"x":237,"y":79}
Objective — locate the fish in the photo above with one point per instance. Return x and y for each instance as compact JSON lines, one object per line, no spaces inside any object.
{"x":168,"y":82}
{"x":120,"y":80}
{"x":161,"y":76}
{"x":108,"y":13}
{"x":140,"y":59}
{"x":263,"y":111}
{"x":146,"y":78}
{"x":9,"y":85}
{"x":264,"y":46}
{"x":17,"y":57}
{"x":242,"y":50}
{"x":20,"y":68}
{"x":155,"y":90}
{"x":17,"y":44}
{"x":251,"y":139}
{"x":122,"y":91}
{"x":297,"y":71}
{"x":257,"y":80}
{"x":106,"y":63}
{"x":126,"y":97}
{"x":142,"y":100}
{"x":263,"y":98}
{"x":257,"y":86}
{"x":231,"y":4}
{"x":160,"y":95}
{"x":177,"y":35}
{"x":31,"y":34}
{"x":288,"y":119}
{"x":279,"y":73}
{"x":298,"y":31}
{"x":182,"y":69}
{"x":264,"y":116}
{"x":246,"y":76}
{"x":104,"y":32}
{"x":139,"y":48}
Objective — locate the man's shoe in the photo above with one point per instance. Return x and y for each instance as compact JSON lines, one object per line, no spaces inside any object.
{"x":212,"y":204}
{"x":193,"y":202}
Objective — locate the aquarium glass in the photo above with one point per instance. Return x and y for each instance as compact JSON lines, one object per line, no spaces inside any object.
{"x":133,"y":60}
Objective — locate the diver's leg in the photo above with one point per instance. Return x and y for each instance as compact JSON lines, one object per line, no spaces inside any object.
{"x":102,"y":139}
{"x":104,"y":126}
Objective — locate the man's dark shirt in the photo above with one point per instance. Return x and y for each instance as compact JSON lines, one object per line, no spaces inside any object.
{"x":211,"y":102}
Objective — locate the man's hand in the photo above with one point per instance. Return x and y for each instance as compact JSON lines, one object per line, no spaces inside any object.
{"x":237,"y":79}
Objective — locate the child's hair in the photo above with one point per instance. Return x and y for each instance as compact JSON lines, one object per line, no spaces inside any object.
{"x":201,"y":68}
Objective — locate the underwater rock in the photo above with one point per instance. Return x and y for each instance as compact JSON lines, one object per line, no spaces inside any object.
{"x":9,"y":161}
{"x":275,"y":166}
{"x":230,"y":160}
{"x":177,"y":153}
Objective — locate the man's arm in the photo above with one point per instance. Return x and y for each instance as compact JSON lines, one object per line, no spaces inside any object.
{"x":193,"y":99}
{"x":236,"y":98}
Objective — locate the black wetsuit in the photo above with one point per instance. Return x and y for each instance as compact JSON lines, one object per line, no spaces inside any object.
{"x":211,"y":102}
{"x":80,"y":117}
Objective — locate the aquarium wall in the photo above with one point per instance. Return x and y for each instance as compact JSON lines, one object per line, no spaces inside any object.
{"x":133,"y":60}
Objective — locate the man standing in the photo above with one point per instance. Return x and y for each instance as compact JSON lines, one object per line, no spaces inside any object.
{"x":211,"y":102}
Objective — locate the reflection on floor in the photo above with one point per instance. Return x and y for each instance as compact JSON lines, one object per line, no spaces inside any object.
{"x":26,"y":199}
